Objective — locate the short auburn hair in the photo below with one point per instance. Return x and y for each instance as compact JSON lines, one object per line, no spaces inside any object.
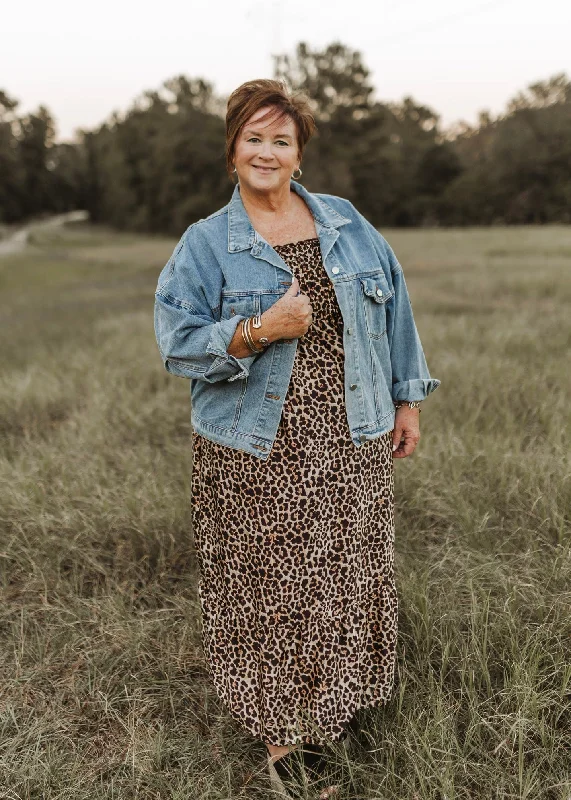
{"x":253,"y":95}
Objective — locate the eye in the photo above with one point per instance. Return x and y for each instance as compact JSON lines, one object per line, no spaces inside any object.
{"x":282,"y":142}
{"x":253,"y":139}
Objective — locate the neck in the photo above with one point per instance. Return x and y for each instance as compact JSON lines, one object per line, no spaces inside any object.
{"x":267,"y":204}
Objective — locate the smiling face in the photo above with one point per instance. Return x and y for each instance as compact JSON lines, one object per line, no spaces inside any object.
{"x":266,"y":153}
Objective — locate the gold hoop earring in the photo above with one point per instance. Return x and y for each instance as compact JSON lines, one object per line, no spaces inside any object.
{"x":297,"y":177}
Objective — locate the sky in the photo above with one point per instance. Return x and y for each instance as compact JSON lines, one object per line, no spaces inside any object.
{"x":459,"y":58}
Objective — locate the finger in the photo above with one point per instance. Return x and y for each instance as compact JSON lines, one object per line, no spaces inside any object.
{"x":294,"y":288}
{"x":408,"y":445}
{"x":397,"y":436}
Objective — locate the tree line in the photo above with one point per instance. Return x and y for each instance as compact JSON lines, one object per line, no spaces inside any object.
{"x":159,"y":166}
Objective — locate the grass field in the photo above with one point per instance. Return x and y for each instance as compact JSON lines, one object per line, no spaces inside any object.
{"x":103,"y":690}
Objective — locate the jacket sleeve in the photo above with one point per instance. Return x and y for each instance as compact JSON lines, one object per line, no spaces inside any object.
{"x":411,"y":379}
{"x":191,"y":340}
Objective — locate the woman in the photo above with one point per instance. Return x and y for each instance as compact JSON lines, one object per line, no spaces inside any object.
{"x":289,"y":314}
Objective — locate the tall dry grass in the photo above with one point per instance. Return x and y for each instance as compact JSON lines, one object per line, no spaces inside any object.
{"x":103,"y":689}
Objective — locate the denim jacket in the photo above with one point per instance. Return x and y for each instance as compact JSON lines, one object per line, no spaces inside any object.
{"x":222,"y":271}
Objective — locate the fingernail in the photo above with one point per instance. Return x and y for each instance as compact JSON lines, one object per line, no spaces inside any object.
{"x":395,"y":447}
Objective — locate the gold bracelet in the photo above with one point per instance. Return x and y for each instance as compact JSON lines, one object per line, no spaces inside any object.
{"x":257,"y":323}
{"x":243,"y":328}
{"x":245,"y":334}
{"x":248,"y":336}
{"x":409,"y":403}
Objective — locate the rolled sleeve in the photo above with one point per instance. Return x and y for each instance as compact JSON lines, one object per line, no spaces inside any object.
{"x":194,"y":347}
{"x":416,"y":389}
{"x":233,"y":368}
{"x":411,"y":378}
{"x":192,"y":339}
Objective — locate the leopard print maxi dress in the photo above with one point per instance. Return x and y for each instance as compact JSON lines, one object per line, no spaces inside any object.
{"x":295,"y":553}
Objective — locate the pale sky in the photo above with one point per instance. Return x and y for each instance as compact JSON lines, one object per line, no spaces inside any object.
{"x":86,"y":60}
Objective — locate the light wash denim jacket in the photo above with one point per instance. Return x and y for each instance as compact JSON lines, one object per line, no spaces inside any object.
{"x":222,"y":271}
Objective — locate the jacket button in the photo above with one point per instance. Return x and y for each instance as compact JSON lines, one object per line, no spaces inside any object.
{"x":353,"y":386}
{"x":362,"y":438}
{"x":379,"y":292}
{"x":349,"y":331}
{"x":335,"y":270}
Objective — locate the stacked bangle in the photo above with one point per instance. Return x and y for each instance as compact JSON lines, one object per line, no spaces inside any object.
{"x":247,"y":334}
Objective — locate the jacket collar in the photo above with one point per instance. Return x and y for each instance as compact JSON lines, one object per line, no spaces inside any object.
{"x":242,"y":235}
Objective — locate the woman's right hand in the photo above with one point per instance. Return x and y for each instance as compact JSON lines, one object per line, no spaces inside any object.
{"x":290,"y":316}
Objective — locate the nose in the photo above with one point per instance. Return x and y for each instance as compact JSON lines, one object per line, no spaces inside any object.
{"x":266,"y":151}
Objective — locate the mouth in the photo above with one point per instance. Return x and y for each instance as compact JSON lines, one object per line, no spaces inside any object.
{"x":264,"y":169}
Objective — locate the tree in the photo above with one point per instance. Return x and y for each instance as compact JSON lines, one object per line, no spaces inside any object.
{"x":555,"y":90}
{"x":11,"y":195}
{"x":36,"y":137}
{"x":159,"y":166}
{"x":366,"y":151}
{"x":332,"y":79}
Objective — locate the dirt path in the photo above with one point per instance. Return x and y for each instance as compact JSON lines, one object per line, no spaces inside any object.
{"x":19,"y":240}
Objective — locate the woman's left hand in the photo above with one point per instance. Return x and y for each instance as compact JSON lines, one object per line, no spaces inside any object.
{"x":406,"y":432}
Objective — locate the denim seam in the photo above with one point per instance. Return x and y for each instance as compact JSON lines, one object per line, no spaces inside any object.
{"x":176,"y":302}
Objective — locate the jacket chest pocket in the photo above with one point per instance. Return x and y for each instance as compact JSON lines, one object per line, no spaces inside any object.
{"x":247,"y":304}
{"x":375,"y":294}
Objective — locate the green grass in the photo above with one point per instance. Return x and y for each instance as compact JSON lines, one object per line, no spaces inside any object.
{"x":103,"y":685}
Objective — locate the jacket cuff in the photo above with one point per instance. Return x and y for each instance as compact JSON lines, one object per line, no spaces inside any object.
{"x":417,"y":389}
{"x":222,"y":334}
